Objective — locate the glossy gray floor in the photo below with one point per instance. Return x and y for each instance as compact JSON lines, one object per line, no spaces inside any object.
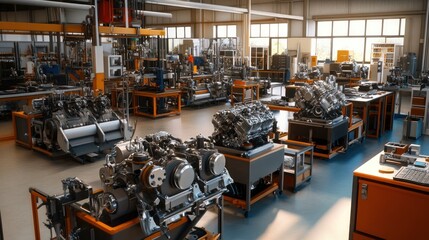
{"x":320,"y":210}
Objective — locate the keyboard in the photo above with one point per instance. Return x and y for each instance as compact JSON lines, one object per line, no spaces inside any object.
{"x":419,"y":176}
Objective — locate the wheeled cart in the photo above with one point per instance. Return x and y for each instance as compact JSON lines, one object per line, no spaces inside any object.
{"x":248,"y":170}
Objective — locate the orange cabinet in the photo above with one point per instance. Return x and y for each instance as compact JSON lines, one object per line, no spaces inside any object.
{"x":383,"y":208}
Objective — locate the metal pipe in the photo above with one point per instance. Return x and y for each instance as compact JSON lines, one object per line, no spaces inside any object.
{"x":44,"y":3}
{"x":154,"y":14}
{"x":126,"y":14}
{"x":97,"y":34}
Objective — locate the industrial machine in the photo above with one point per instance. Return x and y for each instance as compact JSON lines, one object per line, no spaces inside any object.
{"x":396,"y":78}
{"x":302,"y":73}
{"x":349,"y":69}
{"x":320,"y":101}
{"x":320,"y":119}
{"x":77,"y":125}
{"x":399,"y":153}
{"x":114,"y":12}
{"x":408,"y":64}
{"x":241,"y":133}
{"x":158,"y":180}
{"x":210,"y":89}
{"x":244,"y":128}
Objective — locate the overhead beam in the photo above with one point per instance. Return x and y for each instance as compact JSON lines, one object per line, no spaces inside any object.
{"x":130,"y":31}
{"x":40,"y":27}
{"x":75,"y":28}
{"x":221,"y":8}
{"x":195,"y":5}
{"x":367,"y":15}
{"x":277,"y":15}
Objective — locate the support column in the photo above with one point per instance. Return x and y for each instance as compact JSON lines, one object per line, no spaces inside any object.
{"x":246,"y":33}
{"x":97,"y":55}
{"x":425,"y":56}
{"x":98,"y":68}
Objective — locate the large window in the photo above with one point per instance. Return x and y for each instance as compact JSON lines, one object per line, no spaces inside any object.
{"x":224,"y":31}
{"x":266,"y":40}
{"x":178,"y":32}
{"x":356,"y":36}
{"x":268,"y":30}
{"x":175,"y":37}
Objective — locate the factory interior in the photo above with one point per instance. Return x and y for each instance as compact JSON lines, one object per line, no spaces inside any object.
{"x":214,"y":119}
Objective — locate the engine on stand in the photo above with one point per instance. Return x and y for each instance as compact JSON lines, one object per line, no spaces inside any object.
{"x":241,"y":133}
{"x":320,"y":120}
{"x":244,"y":127}
{"x":211,"y":89}
{"x":319,"y":101}
{"x":159,"y":179}
{"x":77,"y":125}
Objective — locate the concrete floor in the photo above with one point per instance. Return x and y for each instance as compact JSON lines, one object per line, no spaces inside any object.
{"x":320,"y":210}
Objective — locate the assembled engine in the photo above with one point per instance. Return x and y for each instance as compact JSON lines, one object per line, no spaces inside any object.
{"x":208,"y":90}
{"x":77,"y":125}
{"x":319,"y":101}
{"x":242,"y":127}
{"x":160,"y":178}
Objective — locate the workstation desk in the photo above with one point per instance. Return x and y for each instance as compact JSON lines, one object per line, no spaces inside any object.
{"x":240,"y":91}
{"x":383,"y":208}
{"x":151,"y":98}
{"x":376,"y":112}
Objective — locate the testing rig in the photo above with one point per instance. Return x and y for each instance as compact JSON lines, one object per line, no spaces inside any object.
{"x":320,"y":120}
{"x":156,"y":186}
{"x":77,"y":125}
{"x":241,"y":133}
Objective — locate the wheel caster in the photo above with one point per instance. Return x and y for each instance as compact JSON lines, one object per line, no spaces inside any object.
{"x":280,"y":192}
{"x":246,"y":214}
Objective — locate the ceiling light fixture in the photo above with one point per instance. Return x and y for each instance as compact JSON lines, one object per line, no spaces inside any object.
{"x":42,"y":3}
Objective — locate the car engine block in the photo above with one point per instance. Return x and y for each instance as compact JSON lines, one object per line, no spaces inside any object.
{"x":319,"y":101}
{"x":242,"y":127}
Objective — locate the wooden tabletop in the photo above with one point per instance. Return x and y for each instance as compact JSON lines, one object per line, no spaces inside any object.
{"x":370,"y":170}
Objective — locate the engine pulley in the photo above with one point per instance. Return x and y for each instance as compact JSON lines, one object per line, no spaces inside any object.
{"x":184,"y":176}
{"x":152,"y":176}
{"x":217,"y":163}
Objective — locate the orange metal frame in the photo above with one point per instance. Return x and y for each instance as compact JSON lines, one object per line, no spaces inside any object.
{"x":74,"y":28}
{"x":35,"y":196}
